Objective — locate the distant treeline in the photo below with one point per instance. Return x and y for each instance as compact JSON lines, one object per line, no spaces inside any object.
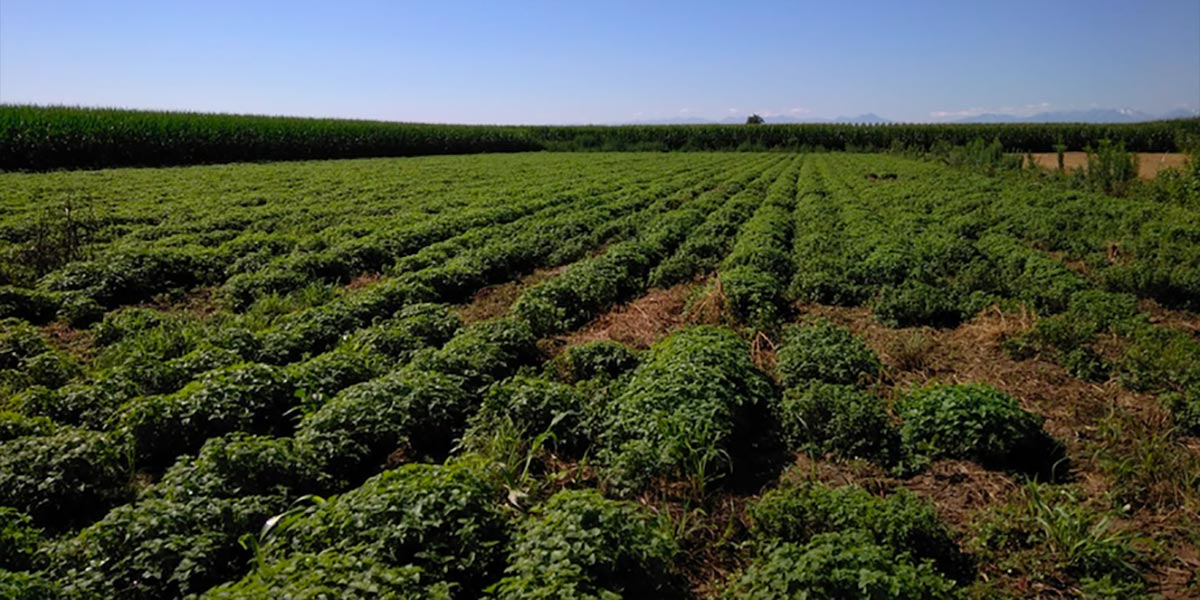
{"x":45,"y":138}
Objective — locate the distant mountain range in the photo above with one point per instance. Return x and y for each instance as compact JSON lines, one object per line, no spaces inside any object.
{"x":1094,"y":115}
{"x":777,"y":119}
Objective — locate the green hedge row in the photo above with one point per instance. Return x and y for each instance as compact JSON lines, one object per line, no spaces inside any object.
{"x":43,"y":138}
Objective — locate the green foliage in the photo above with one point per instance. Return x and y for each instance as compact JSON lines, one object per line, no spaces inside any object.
{"x":15,"y":425}
{"x":820,"y":418}
{"x":63,"y":479}
{"x":840,"y":565}
{"x":90,"y":406}
{"x":444,"y":519}
{"x":416,"y":413}
{"x":27,"y":360}
{"x":825,"y":352}
{"x":414,"y":327}
{"x":754,"y":296}
{"x":580,"y":545}
{"x":19,"y":540}
{"x":329,"y":574}
{"x":695,"y":409}
{"x":100,"y":138}
{"x":1185,"y":409}
{"x":980,"y":423}
{"x":127,"y":276}
{"x":239,"y":465}
{"x":250,"y":398}
{"x":598,"y":359}
{"x":159,"y":548}
{"x":1070,"y":337}
{"x":902,"y":522}
{"x":1160,"y":360}
{"x":323,"y":376}
{"x":483,"y":353}
{"x":26,"y":304}
{"x":21,"y":585}
{"x":533,"y":406}
{"x":1111,"y":168}
{"x":916,"y":303}
{"x":1050,"y":533}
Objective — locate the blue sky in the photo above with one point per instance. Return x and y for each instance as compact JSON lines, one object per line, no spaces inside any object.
{"x":602,"y":62}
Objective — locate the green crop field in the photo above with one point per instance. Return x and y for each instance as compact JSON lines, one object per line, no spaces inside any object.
{"x":927,"y":373}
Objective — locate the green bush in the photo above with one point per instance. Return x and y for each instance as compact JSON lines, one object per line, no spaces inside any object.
{"x":241,"y":465}
{"x":159,"y":548}
{"x":19,"y":540}
{"x":916,"y":303}
{"x":755,"y":297}
{"x":251,"y":398}
{"x":590,"y":360}
{"x":323,"y":376}
{"x":820,"y":418}
{"x":418,"y":413}
{"x":1160,"y":360}
{"x":21,"y":585}
{"x":581,"y":545}
{"x":1111,"y":168}
{"x":1051,"y":534}
{"x":840,"y":565}
{"x":1185,"y":409}
{"x":534,"y":406}
{"x":414,"y":327}
{"x":128,"y":275}
{"x":341,"y":574}
{"x":29,"y":305}
{"x":26,"y":360}
{"x":695,"y":408}
{"x":63,"y":479}
{"x":824,"y":352}
{"x":445,"y":519}
{"x":15,"y":425}
{"x":90,"y":406}
{"x":483,"y":353}
{"x":980,"y":423}
{"x":902,"y":522}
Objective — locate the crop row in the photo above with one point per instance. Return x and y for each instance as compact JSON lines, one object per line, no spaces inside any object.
{"x":45,"y":138}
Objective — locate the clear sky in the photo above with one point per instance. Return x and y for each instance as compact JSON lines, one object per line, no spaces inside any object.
{"x":604,"y":61}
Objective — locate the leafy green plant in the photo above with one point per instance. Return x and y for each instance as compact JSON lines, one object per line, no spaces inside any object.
{"x":414,"y":413}
{"x":15,"y":425}
{"x":483,"y":353}
{"x":589,"y":360}
{"x":342,"y":573}
{"x":1050,"y":532}
{"x":19,"y":540}
{"x":22,"y":585}
{"x":160,"y":548}
{"x":239,"y":465}
{"x":64,"y":479}
{"x":820,"y":418}
{"x":824,"y":352}
{"x":903,"y":522}
{"x":581,"y":545}
{"x":693,"y":409}
{"x":250,"y":398}
{"x":1111,"y":168}
{"x":846,"y":564}
{"x":534,"y":406}
{"x":323,"y":376}
{"x":445,"y":519}
{"x":916,"y":303}
{"x":980,"y":423}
